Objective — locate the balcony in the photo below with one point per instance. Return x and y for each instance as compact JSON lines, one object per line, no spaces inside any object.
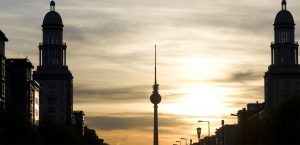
{"x":63,"y":44}
{"x":295,"y":43}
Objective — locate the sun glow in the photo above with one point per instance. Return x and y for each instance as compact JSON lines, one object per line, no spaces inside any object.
{"x":200,"y":101}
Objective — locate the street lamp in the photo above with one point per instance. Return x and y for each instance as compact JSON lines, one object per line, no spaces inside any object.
{"x":208,"y":126}
{"x":179,"y":142}
{"x":199,"y":133}
{"x":185,"y":140}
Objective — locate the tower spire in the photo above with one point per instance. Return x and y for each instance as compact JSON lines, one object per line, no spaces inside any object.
{"x":155,"y":81}
{"x":52,"y":5}
{"x":283,"y":5}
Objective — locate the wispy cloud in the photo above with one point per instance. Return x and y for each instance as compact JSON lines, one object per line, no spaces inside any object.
{"x":139,"y":121}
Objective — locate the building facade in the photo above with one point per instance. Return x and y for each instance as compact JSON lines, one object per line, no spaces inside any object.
{"x":282,"y":80}
{"x":22,"y":91}
{"x":3,"y":39}
{"x":226,"y":135}
{"x":53,"y":75}
{"x":79,"y":121}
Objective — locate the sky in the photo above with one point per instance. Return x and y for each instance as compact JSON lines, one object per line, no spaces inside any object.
{"x":211,"y":60}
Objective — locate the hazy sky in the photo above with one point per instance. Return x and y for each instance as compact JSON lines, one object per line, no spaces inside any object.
{"x":212,"y":55}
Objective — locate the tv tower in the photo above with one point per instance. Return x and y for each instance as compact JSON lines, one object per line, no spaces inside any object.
{"x":155,"y":99}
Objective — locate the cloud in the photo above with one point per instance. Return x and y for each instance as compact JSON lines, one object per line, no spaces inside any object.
{"x":138,"y":121}
{"x":112,"y":95}
{"x":247,"y":75}
{"x":128,"y":94}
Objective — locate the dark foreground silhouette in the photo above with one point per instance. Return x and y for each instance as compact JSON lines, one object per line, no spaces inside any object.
{"x":280,"y":126}
{"x":18,"y":131}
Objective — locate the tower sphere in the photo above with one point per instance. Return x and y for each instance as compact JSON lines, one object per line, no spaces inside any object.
{"x":155,"y":98}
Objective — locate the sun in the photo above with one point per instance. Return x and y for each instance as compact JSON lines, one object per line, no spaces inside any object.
{"x":200,"y":101}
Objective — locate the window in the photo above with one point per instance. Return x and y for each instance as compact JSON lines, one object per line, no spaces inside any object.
{"x":3,"y":68}
{"x":3,"y":88}
{"x":36,"y":100}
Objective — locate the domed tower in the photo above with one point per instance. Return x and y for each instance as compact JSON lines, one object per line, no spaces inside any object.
{"x":53,"y":75}
{"x":52,"y":49}
{"x":282,"y":79}
{"x":284,"y":49}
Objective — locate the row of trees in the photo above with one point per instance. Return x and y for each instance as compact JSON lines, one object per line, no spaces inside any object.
{"x":18,"y":131}
{"x":279,"y":126}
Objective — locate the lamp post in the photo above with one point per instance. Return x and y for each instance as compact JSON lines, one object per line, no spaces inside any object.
{"x":179,"y":142}
{"x":208,"y":126}
{"x":199,"y":133}
{"x":208,"y":123}
{"x":185,"y":140}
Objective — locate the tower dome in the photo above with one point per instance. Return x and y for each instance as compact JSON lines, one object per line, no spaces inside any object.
{"x":52,"y":18}
{"x":284,"y":17}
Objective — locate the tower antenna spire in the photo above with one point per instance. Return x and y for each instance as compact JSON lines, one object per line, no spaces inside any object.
{"x":283,"y":4}
{"x":155,"y":81}
{"x":52,"y":5}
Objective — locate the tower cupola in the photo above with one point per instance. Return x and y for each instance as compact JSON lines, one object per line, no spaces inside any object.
{"x":284,"y":48}
{"x":52,"y":18}
{"x":52,"y":49}
{"x":284,"y":17}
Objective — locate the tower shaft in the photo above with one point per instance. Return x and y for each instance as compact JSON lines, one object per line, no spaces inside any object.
{"x":155,"y":133}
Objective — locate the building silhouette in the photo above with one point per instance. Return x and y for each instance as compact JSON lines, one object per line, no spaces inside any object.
{"x":155,"y":98}
{"x":226,"y":135}
{"x":3,"y":39}
{"x":282,"y":80}
{"x":22,"y":91}
{"x":53,"y":74}
{"x":78,"y":117}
